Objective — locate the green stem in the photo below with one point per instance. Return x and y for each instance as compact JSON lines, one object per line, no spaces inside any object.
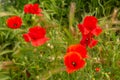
{"x":51,"y":72}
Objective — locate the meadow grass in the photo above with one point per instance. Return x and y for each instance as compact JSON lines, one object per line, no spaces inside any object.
{"x":19,"y":59}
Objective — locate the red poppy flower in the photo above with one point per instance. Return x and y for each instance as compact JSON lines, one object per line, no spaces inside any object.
{"x":78,"y":48}
{"x":32,"y":9}
{"x":36,"y":36}
{"x":89,"y":29}
{"x":73,"y":61}
{"x":88,"y":40}
{"x":97,"y":69}
{"x":90,"y":26}
{"x":14,"y":22}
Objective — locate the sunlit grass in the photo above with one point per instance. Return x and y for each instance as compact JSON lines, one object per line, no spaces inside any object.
{"x":18,"y":58}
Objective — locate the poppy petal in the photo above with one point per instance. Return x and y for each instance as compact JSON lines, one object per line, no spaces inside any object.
{"x":26,"y":37}
{"x":85,"y":41}
{"x":83,"y":30}
{"x":39,"y":42}
{"x":90,"y":22}
{"x":14,"y":22}
{"x":32,"y":9}
{"x":81,"y":65}
{"x":96,"y":31}
{"x":93,"y":43}
{"x":73,"y":61}
{"x":78,"y":48}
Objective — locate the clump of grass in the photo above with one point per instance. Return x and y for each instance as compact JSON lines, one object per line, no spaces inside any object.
{"x":21,"y":61}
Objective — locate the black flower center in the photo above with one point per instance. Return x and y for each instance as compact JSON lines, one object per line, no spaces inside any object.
{"x":74,"y":64}
{"x":15,"y":25}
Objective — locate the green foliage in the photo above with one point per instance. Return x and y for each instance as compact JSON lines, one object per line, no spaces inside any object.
{"x":46,"y":62}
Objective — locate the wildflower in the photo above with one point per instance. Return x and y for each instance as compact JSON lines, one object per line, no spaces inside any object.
{"x":89,"y":29}
{"x":73,"y":61}
{"x":32,"y":9}
{"x":78,"y":48}
{"x":14,"y":22}
{"x":36,"y":36}
{"x":90,"y":26}
{"x":88,"y":40}
{"x":97,"y":69}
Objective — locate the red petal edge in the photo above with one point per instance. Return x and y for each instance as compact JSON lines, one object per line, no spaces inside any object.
{"x":39,"y":42}
{"x":93,"y":43}
{"x":82,"y":29}
{"x":26,"y":37}
{"x":97,"y":31}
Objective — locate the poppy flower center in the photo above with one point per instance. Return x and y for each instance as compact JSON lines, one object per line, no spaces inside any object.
{"x":15,"y":25}
{"x":74,"y":64}
{"x":87,"y":39}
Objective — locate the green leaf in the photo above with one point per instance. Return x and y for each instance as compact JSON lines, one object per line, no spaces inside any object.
{"x":4,"y":77}
{"x":4,"y":46}
{"x":6,"y":52}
